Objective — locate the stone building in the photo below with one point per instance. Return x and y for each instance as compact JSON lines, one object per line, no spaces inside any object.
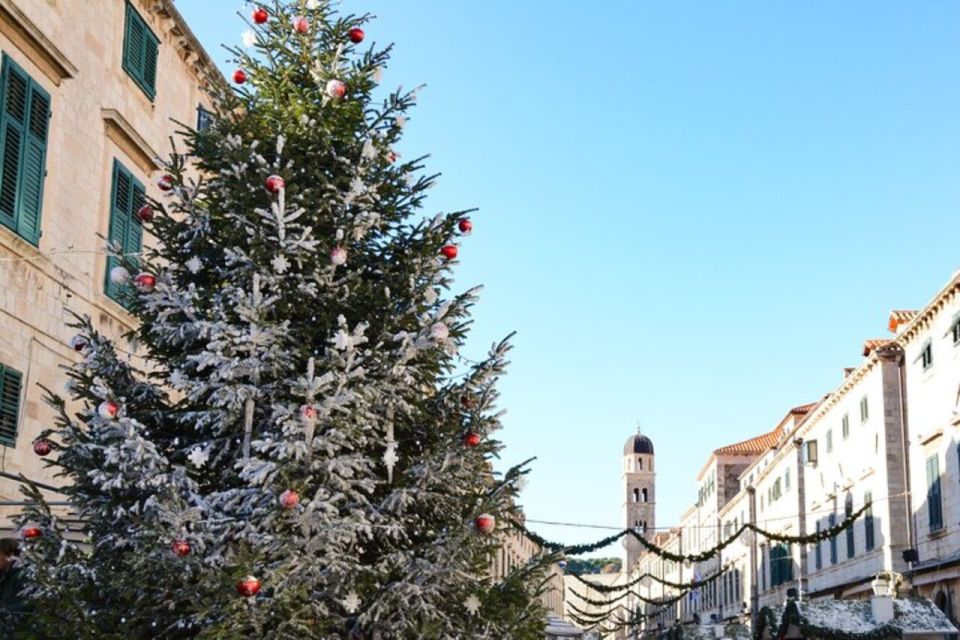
{"x":639,"y":499}
{"x":89,"y":93}
{"x":887,"y":436}
{"x":515,"y":551}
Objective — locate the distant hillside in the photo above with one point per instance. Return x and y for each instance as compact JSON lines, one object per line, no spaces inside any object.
{"x":581,"y":566}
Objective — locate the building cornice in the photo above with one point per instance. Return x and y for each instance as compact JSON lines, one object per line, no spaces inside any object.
{"x":123,"y":134}
{"x":39,"y":49}
{"x":923,"y":319}
{"x":187,"y":45}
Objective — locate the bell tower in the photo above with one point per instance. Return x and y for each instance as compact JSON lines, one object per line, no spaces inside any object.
{"x":639,"y":505}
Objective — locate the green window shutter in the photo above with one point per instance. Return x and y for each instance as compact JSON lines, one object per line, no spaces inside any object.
{"x":868,"y":522}
{"x":10,"y":385}
{"x":134,"y":239}
{"x":120,"y":197}
{"x":33,"y":169}
{"x":140,"y":52}
{"x":934,"y":506}
{"x":16,"y":89}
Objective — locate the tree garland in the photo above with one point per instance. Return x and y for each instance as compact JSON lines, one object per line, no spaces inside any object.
{"x":823,"y":534}
{"x":792,"y":616}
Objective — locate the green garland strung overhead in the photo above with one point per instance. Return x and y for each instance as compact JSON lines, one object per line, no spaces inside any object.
{"x":824,"y":534}
{"x":607,"y":588}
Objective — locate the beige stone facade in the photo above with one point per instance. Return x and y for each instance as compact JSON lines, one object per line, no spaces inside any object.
{"x":73,"y":50}
{"x":888,"y":435}
{"x":517,"y":549}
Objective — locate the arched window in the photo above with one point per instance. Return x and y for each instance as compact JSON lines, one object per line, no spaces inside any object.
{"x":640,"y":464}
{"x":636,"y":495}
{"x":942,"y":603}
{"x":643,"y":495}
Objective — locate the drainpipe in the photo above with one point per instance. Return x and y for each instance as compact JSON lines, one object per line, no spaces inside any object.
{"x":754,"y":587}
{"x":905,"y":452}
{"x":802,"y":510}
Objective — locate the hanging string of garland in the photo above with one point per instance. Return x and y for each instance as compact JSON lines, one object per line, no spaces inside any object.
{"x":823,"y":534}
{"x":606,"y":588}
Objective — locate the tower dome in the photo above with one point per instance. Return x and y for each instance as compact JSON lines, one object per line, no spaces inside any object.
{"x":638,"y":444}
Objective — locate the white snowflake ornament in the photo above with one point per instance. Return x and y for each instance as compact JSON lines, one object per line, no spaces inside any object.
{"x":198,"y":457}
{"x":249,"y":38}
{"x":280,"y":264}
{"x":472,"y":604}
{"x":313,"y":4}
{"x":352,"y":602}
{"x":194,"y":265}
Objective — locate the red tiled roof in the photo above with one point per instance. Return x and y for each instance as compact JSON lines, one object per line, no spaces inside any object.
{"x":804,"y":408}
{"x":898,"y":317}
{"x":870,"y":345}
{"x":756,"y":445}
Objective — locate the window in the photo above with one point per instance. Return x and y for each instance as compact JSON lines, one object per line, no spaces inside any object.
{"x":126,"y":232}
{"x":10,"y":384}
{"x":786,"y":481}
{"x":205,"y":121}
{"x":926,"y":356}
{"x":833,"y":540}
{"x":864,"y":409}
{"x":23,"y":151}
{"x":848,"y":511}
{"x":781,"y":564}
{"x":818,"y":561}
{"x":140,"y":52}
{"x":829,"y":440}
{"x":934,"y":506}
{"x":845,"y":426}
{"x":868,"y":522}
{"x":636,"y":495}
{"x":956,"y":331}
{"x":643,"y":495}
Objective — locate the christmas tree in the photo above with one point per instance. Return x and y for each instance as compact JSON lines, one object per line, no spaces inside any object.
{"x":294,"y":449}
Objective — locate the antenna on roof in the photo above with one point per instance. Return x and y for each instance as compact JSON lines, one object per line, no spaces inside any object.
{"x":639,"y":430}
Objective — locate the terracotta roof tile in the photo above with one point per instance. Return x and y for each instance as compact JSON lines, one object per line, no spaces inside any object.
{"x":898,"y":317}
{"x":804,"y":408}
{"x":870,"y":345}
{"x":756,"y":445}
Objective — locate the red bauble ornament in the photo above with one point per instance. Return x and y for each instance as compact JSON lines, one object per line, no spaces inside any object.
{"x":274,"y":184}
{"x":308,"y":412}
{"x":449,"y":251}
{"x":181,"y":548}
{"x":145,"y":213}
{"x":108,"y":409}
{"x":79,"y":343}
{"x":356,"y":35}
{"x":239,"y":76}
{"x":29,"y":533}
{"x":465,"y":226}
{"x":485,"y":523}
{"x":42,"y":447}
{"x":145,"y":282}
{"x":471,"y":439}
{"x":301,"y":24}
{"x":165,"y":182}
{"x":260,"y":15}
{"x":248,"y":586}
{"x":289,"y":499}
{"x":392,"y":156}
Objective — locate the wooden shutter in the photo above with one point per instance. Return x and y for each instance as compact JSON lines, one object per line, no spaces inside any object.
{"x":120,"y":198}
{"x":934,"y":507}
{"x":140,"y":52}
{"x":868,"y":522}
{"x":33,"y":169}
{"x":16,"y":89}
{"x":10,"y":385}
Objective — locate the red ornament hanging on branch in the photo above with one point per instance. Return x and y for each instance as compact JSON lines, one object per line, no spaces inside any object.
{"x":289,"y":499}
{"x":471,"y":439}
{"x":78,"y":343}
{"x":301,"y":24}
{"x":485,"y":523}
{"x":465,"y":226}
{"x":31,"y":533}
{"x":260,"y":15}
{"x":248,"y":586}
{"x":145,"y":282}
{"x":108,"y":409}
{"x":239,"y":76}
{"x":145,"y":213}
{"x":356,"y":35}
{"x":449,"y":251}
{"x":165,"y":182}
{"x":42,"y":447}
{"x":181,"y":548}
{"x":274,"y":184}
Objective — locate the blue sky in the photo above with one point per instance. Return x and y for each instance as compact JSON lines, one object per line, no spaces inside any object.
{"x":692,"y":213}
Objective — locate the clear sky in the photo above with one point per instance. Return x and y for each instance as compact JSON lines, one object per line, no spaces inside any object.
{"x":692,"y":213}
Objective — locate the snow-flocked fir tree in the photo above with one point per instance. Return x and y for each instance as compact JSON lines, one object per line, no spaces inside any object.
{"x":298,"y":413}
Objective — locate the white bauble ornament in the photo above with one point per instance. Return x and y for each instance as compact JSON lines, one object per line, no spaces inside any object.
{"x":440,"y":331}
{"x":338,"y":256}
{"x":108,"y":410}
{"x":336,"y":89}
{"x":119,"y":275}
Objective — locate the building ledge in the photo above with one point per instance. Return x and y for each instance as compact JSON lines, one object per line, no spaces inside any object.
{"x":122,"y":133}
{"x":16,"y":26}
